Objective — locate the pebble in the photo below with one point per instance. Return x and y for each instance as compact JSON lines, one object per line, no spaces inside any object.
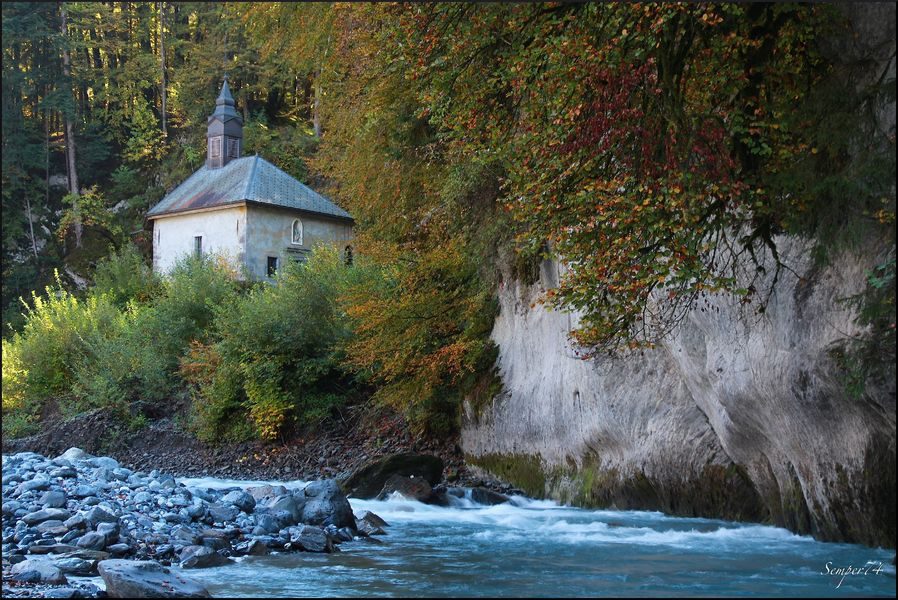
{"x":66,"y":514}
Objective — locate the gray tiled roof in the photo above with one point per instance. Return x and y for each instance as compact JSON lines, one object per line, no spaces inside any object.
{"x":249,"y":178}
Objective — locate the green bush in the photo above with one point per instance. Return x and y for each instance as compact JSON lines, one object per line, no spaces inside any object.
{"x":277,"y":360}
{"x":140,"y":364}
{"x":125,"y":276}
{"x":40,"y":362}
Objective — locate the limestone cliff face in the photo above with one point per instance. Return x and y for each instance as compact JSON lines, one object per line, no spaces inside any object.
{"x":738,"y":415}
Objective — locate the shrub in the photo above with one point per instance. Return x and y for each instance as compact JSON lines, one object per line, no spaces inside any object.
{"x":39,"y":362}
{"x":125,"y":276}
{"x":140,"y":364}
{"x":277,"y":360}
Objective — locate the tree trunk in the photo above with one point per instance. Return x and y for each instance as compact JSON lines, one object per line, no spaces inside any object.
{"x":70,"y":130}
{"x":162,"y":65}
{"x":316,"y":102}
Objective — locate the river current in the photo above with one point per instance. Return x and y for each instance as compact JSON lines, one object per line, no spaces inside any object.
{"x":538,"y":548}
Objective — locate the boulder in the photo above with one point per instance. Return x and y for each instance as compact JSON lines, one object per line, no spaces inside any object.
{"x":146,"y":579}
{"x":287,"y":503}
{"x":254,"y":547}
{"x":263,"y":493}
{"x":92,"y":541}
{"x":199,"y":557}
{"x":76,"y":522}
{"x":413,"y":488}
{"x":369,"y":479}
{"x":73,"y":565}
{"x":98,"y":515}
{"x":222,"y":514}
{"x":310,"y":539}
{"x":240,"y":500}
{"x":184,"y":534}
{"x":53,"y":527}
{"x":47,"y":572}
{"x":267,"y":523}
{"x":326,"y":505}
{"x":482,"y":495}
{"x":368,"y":523}
{"x":73,"y":454}
{"x":46,"y":514}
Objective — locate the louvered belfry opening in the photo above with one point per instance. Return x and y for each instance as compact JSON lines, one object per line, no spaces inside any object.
{"x":224,"y":134}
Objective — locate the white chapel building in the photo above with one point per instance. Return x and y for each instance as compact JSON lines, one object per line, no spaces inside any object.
{"x":243,"y":207}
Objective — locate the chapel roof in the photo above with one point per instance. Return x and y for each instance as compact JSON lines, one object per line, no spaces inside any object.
{"x":251,"y":179}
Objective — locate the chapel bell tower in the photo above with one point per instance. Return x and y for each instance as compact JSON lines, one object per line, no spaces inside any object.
{"x":224,"y":134}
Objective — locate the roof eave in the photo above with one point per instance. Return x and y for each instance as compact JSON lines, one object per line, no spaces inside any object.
{"x":299,"y":210}
{"x":185,"y":211}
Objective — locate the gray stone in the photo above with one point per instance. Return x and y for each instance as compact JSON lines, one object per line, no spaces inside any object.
{"x":76,"y":522}
{"x":254,"y":547}
{"x":103,"y":462}
{"x":310,"y":539}
{"x":66,"y":592}
{"x":118,"y":549}
{"x":84,"y":491}
{"x":73,"y":454}
{"x":267,"y":523}
{"x":53,"y":527}
{"x":45,"y":515}
{"x":49,"y":573}
{"x":52,"y":549}
{"x":263,"y":493}
{"x":64,"y":472}
{"x":368,"y":523}
{"x":199,"y":557}
{"x":92,"y":541}
{"x":185,"y":535}
{"x":72,"y":565}
{"x":98,"y":515}
{"x":239,"y":499}
{"x":10,"y":508}
{"x":52,"y":499}
{"x":146,"y":579}
{"x":142,"y":498}
{"x":35,"y":484}
{"x":222,"y":514}
{"x":369,"y":479}
{"x":109,"y":530}
{"x":286,"y":503}
{"x":326,"y":505}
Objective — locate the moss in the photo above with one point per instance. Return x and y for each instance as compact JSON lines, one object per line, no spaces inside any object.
{"x":522,"y":470}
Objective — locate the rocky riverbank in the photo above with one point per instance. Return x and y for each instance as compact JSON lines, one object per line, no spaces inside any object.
{"x":337,"y":448}
{"x":79,"y":514}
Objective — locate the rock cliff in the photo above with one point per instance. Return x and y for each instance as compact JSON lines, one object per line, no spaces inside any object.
{"x":738,"y":415}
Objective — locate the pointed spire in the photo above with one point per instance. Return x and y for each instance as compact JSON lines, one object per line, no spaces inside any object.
{"x":224,"y":105}
{"x":225,"y":96}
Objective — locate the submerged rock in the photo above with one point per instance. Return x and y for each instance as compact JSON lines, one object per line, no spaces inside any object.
{"x":413,"y":488}
{"x":199,"y":557}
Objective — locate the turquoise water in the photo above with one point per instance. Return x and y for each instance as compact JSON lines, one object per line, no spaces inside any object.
{"x":540,"y":549}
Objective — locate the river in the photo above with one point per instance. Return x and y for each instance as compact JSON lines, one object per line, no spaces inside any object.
{"x":539,"y":548}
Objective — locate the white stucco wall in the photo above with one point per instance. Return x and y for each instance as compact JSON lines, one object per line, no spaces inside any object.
{"x":269,"y":234}
{"x":223,"y":231}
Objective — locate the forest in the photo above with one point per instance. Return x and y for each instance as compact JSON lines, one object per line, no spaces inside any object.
{"x":657,"y":149}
